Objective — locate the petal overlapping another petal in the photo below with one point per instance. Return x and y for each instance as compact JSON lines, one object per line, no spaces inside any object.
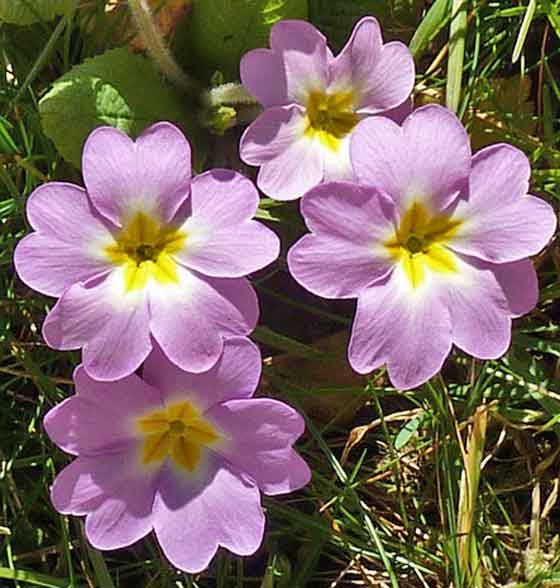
{"x":191,"y":319}
{"x":235,"y":375}
{"x":344,"y":254}
{"x":96,"y":420}
{"x":112,"y":328}
{"x":304,"y":54}
{"x":259,"y":437}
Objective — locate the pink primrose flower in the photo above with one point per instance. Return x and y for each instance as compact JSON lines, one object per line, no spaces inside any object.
{"x":182,"y":454}
{"x":145,"y":254}
{"x":433,"y":242}
{"x":313,"y":100}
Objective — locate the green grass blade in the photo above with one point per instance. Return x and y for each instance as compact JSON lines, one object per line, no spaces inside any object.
{"x":526,"y":23}
{"x":33,"y":578}
{"x":457,"y":34}
{"x":430,"y":26}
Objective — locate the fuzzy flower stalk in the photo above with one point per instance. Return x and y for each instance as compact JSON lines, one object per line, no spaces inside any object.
{"x":433,"y":242}
{"x":181,"y":454}
{"x":313,"y":100}
{"x":145,"y":255}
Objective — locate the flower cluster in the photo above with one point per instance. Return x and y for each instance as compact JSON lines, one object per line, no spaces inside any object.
{"x":150,"y":269}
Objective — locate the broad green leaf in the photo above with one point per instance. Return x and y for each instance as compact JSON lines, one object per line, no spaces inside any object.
{"x":219,"y":32}
{"x":117,"y":88}
{"x":336,"y":18}
{"x":24,"y":12}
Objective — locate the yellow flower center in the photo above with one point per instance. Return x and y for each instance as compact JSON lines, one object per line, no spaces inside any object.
{"x":419,"y":243}
{"x":330,"y":117}
{"x":145,"y":248}
{"x":178,"y":432}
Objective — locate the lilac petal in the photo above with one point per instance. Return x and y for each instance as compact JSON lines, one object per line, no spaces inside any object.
{"x":192,"y":520}
{"x":112,"y":327}
{"x":428,"y":159}
{"x":501,"y":223}
{"x":335,"y":268}
{"x":479,"y":310}
{"x":382,"y":76}
{"x":152,"y":174}
{"x":337,"y":165}
{"x":262,"y":74}
{"x":499,"y":176}
{"x":190,"y":320}
{"x":235,"y":375}
{"x":229,"y":253}
{"x":260,"y":433}
{"x":272,"y":133}
{"x":410,"y":331}
{"x":359,"y":214}
{"x":68,"y":245}
{"x":303,"y":50}
{"x":84,"y":484}
{"x":340,"y":259}
{"x":96,"y":419}
{"x":293,"y":172}
{"x":78,"y":488}
{"x":507,"y":233}
{"x":520,"y":285}
{"x":221,"y":240}
{"x":400,"y":112}
{"x":223,"y":197}
{"x":123,"y":517}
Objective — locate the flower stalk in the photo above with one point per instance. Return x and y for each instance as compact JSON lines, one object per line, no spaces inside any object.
{"x":156,"y":47}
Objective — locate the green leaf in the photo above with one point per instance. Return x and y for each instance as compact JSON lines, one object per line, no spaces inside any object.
{"x":117,"y":88}
{"x":431,"y":25}
{"x":336,"y":18}
{"x":406,"y":433}
{"x":24,"y":12}
{"x":219,"y":32}
{"x":457,"y":34}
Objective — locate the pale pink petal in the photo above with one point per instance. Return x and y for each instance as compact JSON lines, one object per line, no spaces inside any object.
{"x":410,"y":331}
{"x":262,"y":74}
{"x":259,"y":437}
{"x":294,"y":172}
{"x":272,"y":133}
{"x":505,"y":233}
{"x":222,"y":241}
{"x":304,"y":53}
{"x":520,"y":285}
{"x":191,"y":520}
{"x":123,"y":517}
{"x":190,"y":320}
{"x":151,"y":174}
{"x":500,"y":222}
{"x":235,"y":375}
{"x":380,"y":76}
{"x":479,"y":310}
{"x":427,"y":160}
{"x":69,"y":241}
{"x":96,"y":420}
{"x":111,"y":327}
{"x":345,"y":253}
